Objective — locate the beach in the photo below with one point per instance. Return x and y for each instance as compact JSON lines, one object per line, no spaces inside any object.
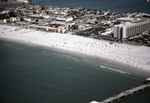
{"x":130,"y":55}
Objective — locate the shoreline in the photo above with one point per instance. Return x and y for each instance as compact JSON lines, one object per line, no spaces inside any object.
{"x":130,"y":55}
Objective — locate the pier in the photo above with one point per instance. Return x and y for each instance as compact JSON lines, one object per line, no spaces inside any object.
{"x":124,"y":94}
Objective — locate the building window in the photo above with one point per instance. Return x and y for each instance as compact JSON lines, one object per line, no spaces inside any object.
{"x":121,"y":33}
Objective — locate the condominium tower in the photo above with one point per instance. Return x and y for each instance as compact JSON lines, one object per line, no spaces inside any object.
{"x":130,"y":27}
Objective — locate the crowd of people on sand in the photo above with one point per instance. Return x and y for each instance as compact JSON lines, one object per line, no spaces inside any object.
{"x":137,"y":56}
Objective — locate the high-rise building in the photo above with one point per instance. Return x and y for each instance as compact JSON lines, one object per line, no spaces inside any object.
{"x":130,"y":28}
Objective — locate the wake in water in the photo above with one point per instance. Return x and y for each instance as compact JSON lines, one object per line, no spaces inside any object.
{"x":115,"y":70}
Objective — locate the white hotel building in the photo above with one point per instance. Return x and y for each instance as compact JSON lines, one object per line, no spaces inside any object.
{"x":24,"y":1}
{"x":130,"y":27}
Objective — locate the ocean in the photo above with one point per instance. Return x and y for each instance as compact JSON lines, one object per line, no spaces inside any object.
{"x":33,"y":74}
{"x":117,"y":6}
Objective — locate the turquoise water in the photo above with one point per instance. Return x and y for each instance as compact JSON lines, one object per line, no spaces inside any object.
{"x":32,"y":74}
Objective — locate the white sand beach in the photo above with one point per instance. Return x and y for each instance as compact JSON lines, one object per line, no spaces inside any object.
{"x":136,"y":56}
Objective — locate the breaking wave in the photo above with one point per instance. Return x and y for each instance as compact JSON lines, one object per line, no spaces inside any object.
{"x":115,"y":70}
{"x":67,"y":56}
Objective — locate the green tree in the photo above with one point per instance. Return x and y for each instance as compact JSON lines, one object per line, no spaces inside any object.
{"x":43,"y":8}
{"x":34,"y":12}
{"x":21,"y":19}
{"x":74,"y":27}
{"x":37,"y":20}
{"x":88,"y":9}
{"x":12,"y":14}
{"x":96,"y":22}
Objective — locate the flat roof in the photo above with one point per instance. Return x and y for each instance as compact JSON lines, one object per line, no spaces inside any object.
{"x":140,"y":21}
{"x":125,"y":19}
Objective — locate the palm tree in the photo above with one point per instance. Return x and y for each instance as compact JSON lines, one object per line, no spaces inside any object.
{"x":12,"y":14}
{"x":21,"y":19}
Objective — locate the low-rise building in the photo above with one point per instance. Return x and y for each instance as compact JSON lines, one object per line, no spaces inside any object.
{"x":44,"y":28}
{"x":23,"y":1}
{"x":62,"y":29}
{"x":13,"y":19}
{"x":4,"y":21}
{"x":64,"y":18}
{"x":22,"y":23}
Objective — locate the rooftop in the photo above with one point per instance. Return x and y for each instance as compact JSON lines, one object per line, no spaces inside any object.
{"x":127,"y":19}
